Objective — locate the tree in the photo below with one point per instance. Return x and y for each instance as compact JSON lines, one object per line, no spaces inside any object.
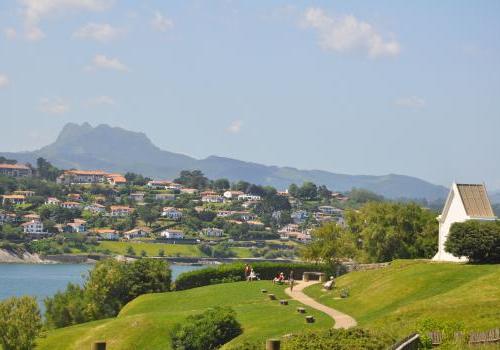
{"x":46,"y":170}
{"x":330,"y":244}
{"x":308,"y":191}
{"x":66,"y":308}
{"x":20,"y":323}
{"x":387,"y":231}
{"x":324,"y":192}
{"x":148,"y":214}
{"x":192,"y":179}
{"x":479,"y":241}
{"x":221,"y":184}
{"x":136,"y":179}
{"x":293,"y":190}
{"x":130,"y":251}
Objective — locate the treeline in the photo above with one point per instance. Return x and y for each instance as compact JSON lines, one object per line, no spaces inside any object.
{"x":377,"y":232}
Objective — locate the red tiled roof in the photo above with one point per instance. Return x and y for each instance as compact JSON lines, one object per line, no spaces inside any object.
{"x":13,"y":166}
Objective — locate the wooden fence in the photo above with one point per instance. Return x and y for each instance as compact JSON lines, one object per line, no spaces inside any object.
{"x":411,"y":342}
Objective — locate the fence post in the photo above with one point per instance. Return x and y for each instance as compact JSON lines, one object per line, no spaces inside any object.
{"x":273,"y":344}
{"x":99,"y":345}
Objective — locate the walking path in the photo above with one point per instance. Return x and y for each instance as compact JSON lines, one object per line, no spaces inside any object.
{"x":341,"y":320}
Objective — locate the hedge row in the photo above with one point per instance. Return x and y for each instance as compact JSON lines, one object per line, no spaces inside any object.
{"x":236,"y":272}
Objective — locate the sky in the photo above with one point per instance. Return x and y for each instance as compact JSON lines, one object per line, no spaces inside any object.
{"x":352,"y":87}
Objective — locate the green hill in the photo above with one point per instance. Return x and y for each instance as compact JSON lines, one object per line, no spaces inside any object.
{"x":145,"y":322}
{"x":397,"y":298}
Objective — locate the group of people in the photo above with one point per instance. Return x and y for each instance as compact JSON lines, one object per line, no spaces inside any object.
{"x":250,"y":275}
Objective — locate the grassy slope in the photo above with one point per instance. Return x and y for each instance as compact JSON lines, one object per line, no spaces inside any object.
{"x":188,"y":250}
{"x":145,"y":322}
{"x":397,"y":297}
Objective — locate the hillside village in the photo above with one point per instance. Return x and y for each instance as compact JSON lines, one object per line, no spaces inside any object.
{"x":71,"y":211}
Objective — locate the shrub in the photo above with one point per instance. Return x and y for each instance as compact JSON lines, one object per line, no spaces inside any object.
{"x":20,"y":323}
{"x":477,"y":240}
{"x":235,"y":272}
{"x":66,"y":308}
{"x":109,"y":286}
{"x":206,"y":331}
{"x":337,"y":339}
{"x":447,"y":329}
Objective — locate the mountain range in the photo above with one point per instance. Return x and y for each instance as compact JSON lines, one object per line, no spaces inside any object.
{"x":118,"y":150}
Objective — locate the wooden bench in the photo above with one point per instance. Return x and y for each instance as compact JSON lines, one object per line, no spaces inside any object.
{"x":263,"y":290}
{"x":272,"y":296}
{"x":310,"y":319}
{"x":301,"y":310}
{"x":306,"y":276}
{"x":284,"y":302}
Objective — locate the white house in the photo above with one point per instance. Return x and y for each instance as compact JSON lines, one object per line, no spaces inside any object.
{"x":212,"y":198}
{"x":212,"y":232}
{"x":96,"y":208}
{"x":52,"y":201}
{"x":249,"y":197}
{"x":137,"y":196}
{"x":233,"y":194}
{"x":137,"y":232}
{"x":329,"y":210}
{"x":77,"y":226}
{"x":172,"y":213}
{"x":172,"y":234}
{"x":33,"y":227}
{"x":120,"y":210}
{"x":465,"y":202}
{"x":70,"y":205}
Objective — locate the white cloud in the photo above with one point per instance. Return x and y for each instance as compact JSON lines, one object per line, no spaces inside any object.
{"x":100,"y":32}
{"x":55,"y":106}
{"x":347,"y":33}
{"x":101,"y":61}
{"x":10,"y":33}
{"x":234,"y":127}
{"x":161,"y":23}
{"x":101,"y":100}
{"x":411,"y":102}
{"x":4,"y":80}
{"x":34,"y":11}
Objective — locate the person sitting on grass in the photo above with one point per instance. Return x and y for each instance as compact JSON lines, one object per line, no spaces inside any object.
{"x":277,"y":279}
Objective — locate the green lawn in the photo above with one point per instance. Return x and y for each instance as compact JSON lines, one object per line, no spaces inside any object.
{"x":145,"y":322}
{"x":187,"y":250}
{"x":152,"y":249}
{"x":398,"y":297}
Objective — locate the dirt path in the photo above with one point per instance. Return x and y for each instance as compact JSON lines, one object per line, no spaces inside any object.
{"x":341,"y":320}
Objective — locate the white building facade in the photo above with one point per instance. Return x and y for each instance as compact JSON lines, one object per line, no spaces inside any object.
{"x":465,"y":202}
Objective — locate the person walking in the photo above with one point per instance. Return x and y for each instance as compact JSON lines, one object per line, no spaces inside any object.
{"x":291,"y":280}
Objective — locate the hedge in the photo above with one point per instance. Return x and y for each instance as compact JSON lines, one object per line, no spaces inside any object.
{"x":236,"y":272}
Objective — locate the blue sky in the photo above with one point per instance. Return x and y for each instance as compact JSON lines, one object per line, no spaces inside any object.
{"x":348,"y":86}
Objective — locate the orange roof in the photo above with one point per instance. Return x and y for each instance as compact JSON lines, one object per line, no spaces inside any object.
{"x":118,"y":207}
{"x":117,"y":178}
{"x":13,"y":166}
{"x":14,"y":196}
{"x":104,"y":230}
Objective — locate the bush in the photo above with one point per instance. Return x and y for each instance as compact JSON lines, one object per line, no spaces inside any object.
{"x":206,"y":331}
{"x":20,"y":323}
{"x":477,"y":240}
{"x":66,"y":308}
{"x":235,"y":272}
{"x":338,"y":339}
{"x":109,"y":286}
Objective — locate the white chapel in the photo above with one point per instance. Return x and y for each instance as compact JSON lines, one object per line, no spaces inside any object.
{"x":465,"y":202}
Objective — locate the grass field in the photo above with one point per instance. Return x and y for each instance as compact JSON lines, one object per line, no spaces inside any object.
{"x":399,"y":297}
{"x":145,"y":322}
{"x":152,"y":249}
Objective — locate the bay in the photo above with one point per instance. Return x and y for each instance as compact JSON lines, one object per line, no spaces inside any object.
{"x":42,"y":280}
